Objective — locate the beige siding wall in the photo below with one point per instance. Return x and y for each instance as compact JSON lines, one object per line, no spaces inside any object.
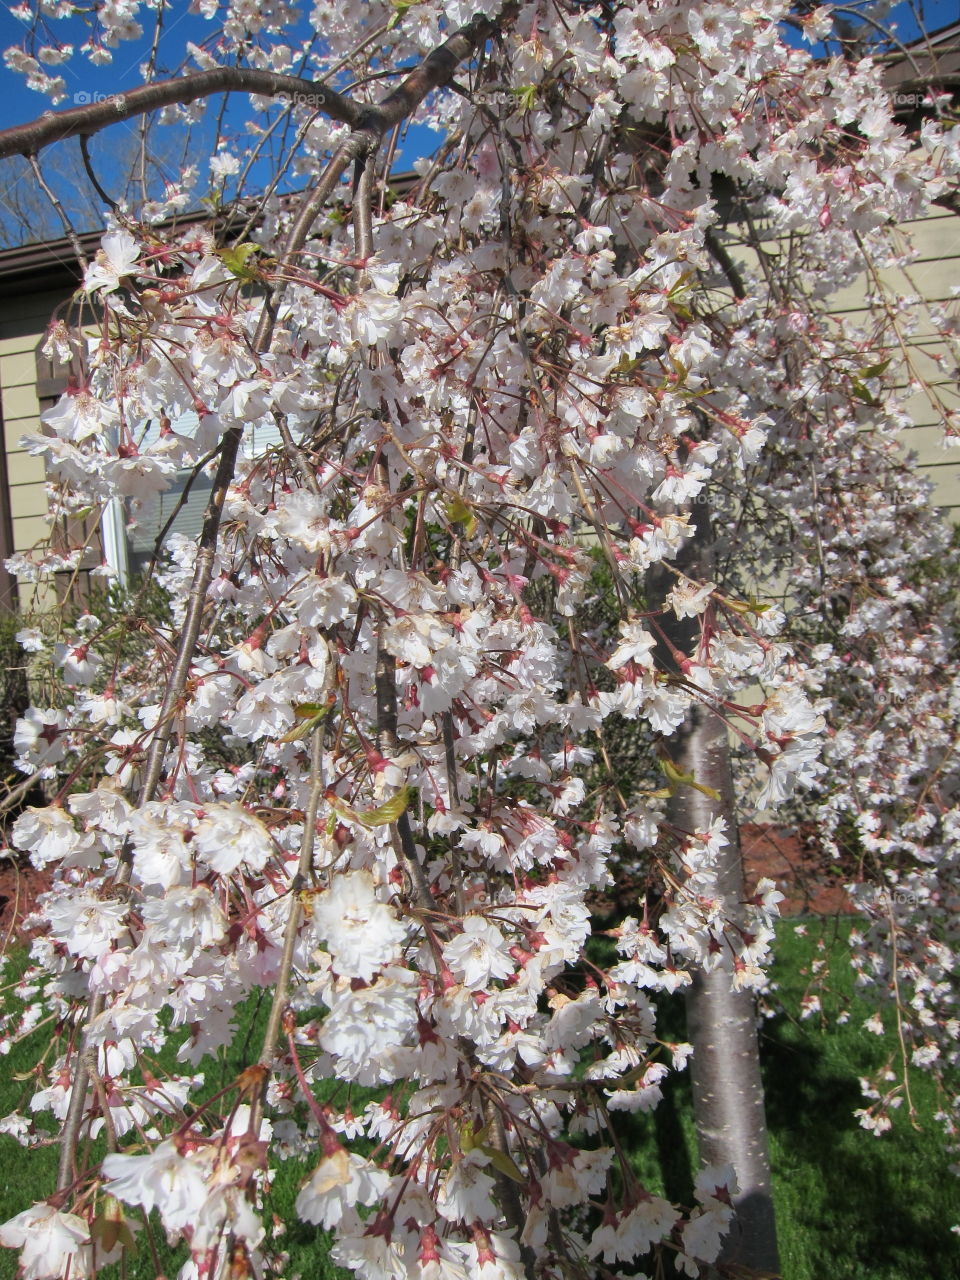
{"x":932,"y":276}
{"x":936,"y":271}
{"x":23,"y":322}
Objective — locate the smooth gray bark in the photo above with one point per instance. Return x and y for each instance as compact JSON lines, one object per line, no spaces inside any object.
{"x":721,"y":1022}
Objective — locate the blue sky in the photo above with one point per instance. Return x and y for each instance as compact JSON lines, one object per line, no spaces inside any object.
{"x":21,"y":104}
{"x":906,"y":18}
{"x":85,"y":81}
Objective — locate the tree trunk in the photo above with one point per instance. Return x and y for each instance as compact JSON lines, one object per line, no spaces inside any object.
{"x":721,"y":1022}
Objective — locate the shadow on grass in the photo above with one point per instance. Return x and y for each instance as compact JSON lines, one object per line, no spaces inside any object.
{"x":850,"y":1205}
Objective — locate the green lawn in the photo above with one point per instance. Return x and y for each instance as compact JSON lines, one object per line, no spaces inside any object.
{"x":850,"y":1206}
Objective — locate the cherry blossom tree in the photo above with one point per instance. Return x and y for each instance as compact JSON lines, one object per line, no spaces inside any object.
{"x":562,"y":440}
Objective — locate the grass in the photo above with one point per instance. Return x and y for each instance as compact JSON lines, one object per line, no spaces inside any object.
{"x":850,"y":1206}
{"x":873,"y":1208}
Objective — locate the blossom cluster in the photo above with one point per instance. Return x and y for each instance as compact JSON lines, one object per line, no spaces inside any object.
{"x":361,"y":768}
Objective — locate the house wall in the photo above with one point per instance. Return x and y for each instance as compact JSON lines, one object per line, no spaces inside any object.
{"x":934,"y":276}
{"x":23,"y":323}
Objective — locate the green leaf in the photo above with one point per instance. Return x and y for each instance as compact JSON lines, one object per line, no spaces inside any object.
{"x":861,"y":392}
{"x":389,"y":811}
{"x":310,"y":710}
{"x":470,"y":1137}
{"x":457,"y":512}
{"x":709,"y":792}
{"x":674,"y":297}
{"x":677,"y":778}
{"x":749,"y":606}
{"x":526,"y":95}
{"x":400,"y":8}
{"x":236,"y":259}
{"x":309,"y":716}
{"x":502,"y":1163}
{"x":626,"y":367}
{"x":876,"y":370}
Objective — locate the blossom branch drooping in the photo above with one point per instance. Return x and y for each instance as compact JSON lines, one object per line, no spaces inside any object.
{"x":400,"y":730}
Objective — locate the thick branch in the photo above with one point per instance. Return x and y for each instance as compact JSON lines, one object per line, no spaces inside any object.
{"x":726,"y":263}
{"x":721,"y":1020}
{"x":435,"y":70}
{"x":438,"y":66}
{"x":55,"y":126}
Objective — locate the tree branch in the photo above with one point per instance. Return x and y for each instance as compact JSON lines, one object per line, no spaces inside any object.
{"x":190,"y":632}
{"x":91,"y":174}
{"x":436,"y":68}
{"x":439,"y":65}
{"x":432,"y":72}
{"x":294,"y":911}
{"x":209,"y":534}
{"x":726,"y":264}
{"x":55,"y":126}
{"x":362,"y":207}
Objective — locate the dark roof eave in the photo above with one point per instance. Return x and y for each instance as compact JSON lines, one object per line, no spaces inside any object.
{"x":44,"y":265}
{"x":52,"y":264}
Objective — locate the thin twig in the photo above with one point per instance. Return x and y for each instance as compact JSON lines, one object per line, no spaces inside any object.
{"x":278,"y":1002}
{"x":91,"y":174}
{"x":51,"y":195}
{"x":386,"y":690}
{"x":898,"y":1008}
